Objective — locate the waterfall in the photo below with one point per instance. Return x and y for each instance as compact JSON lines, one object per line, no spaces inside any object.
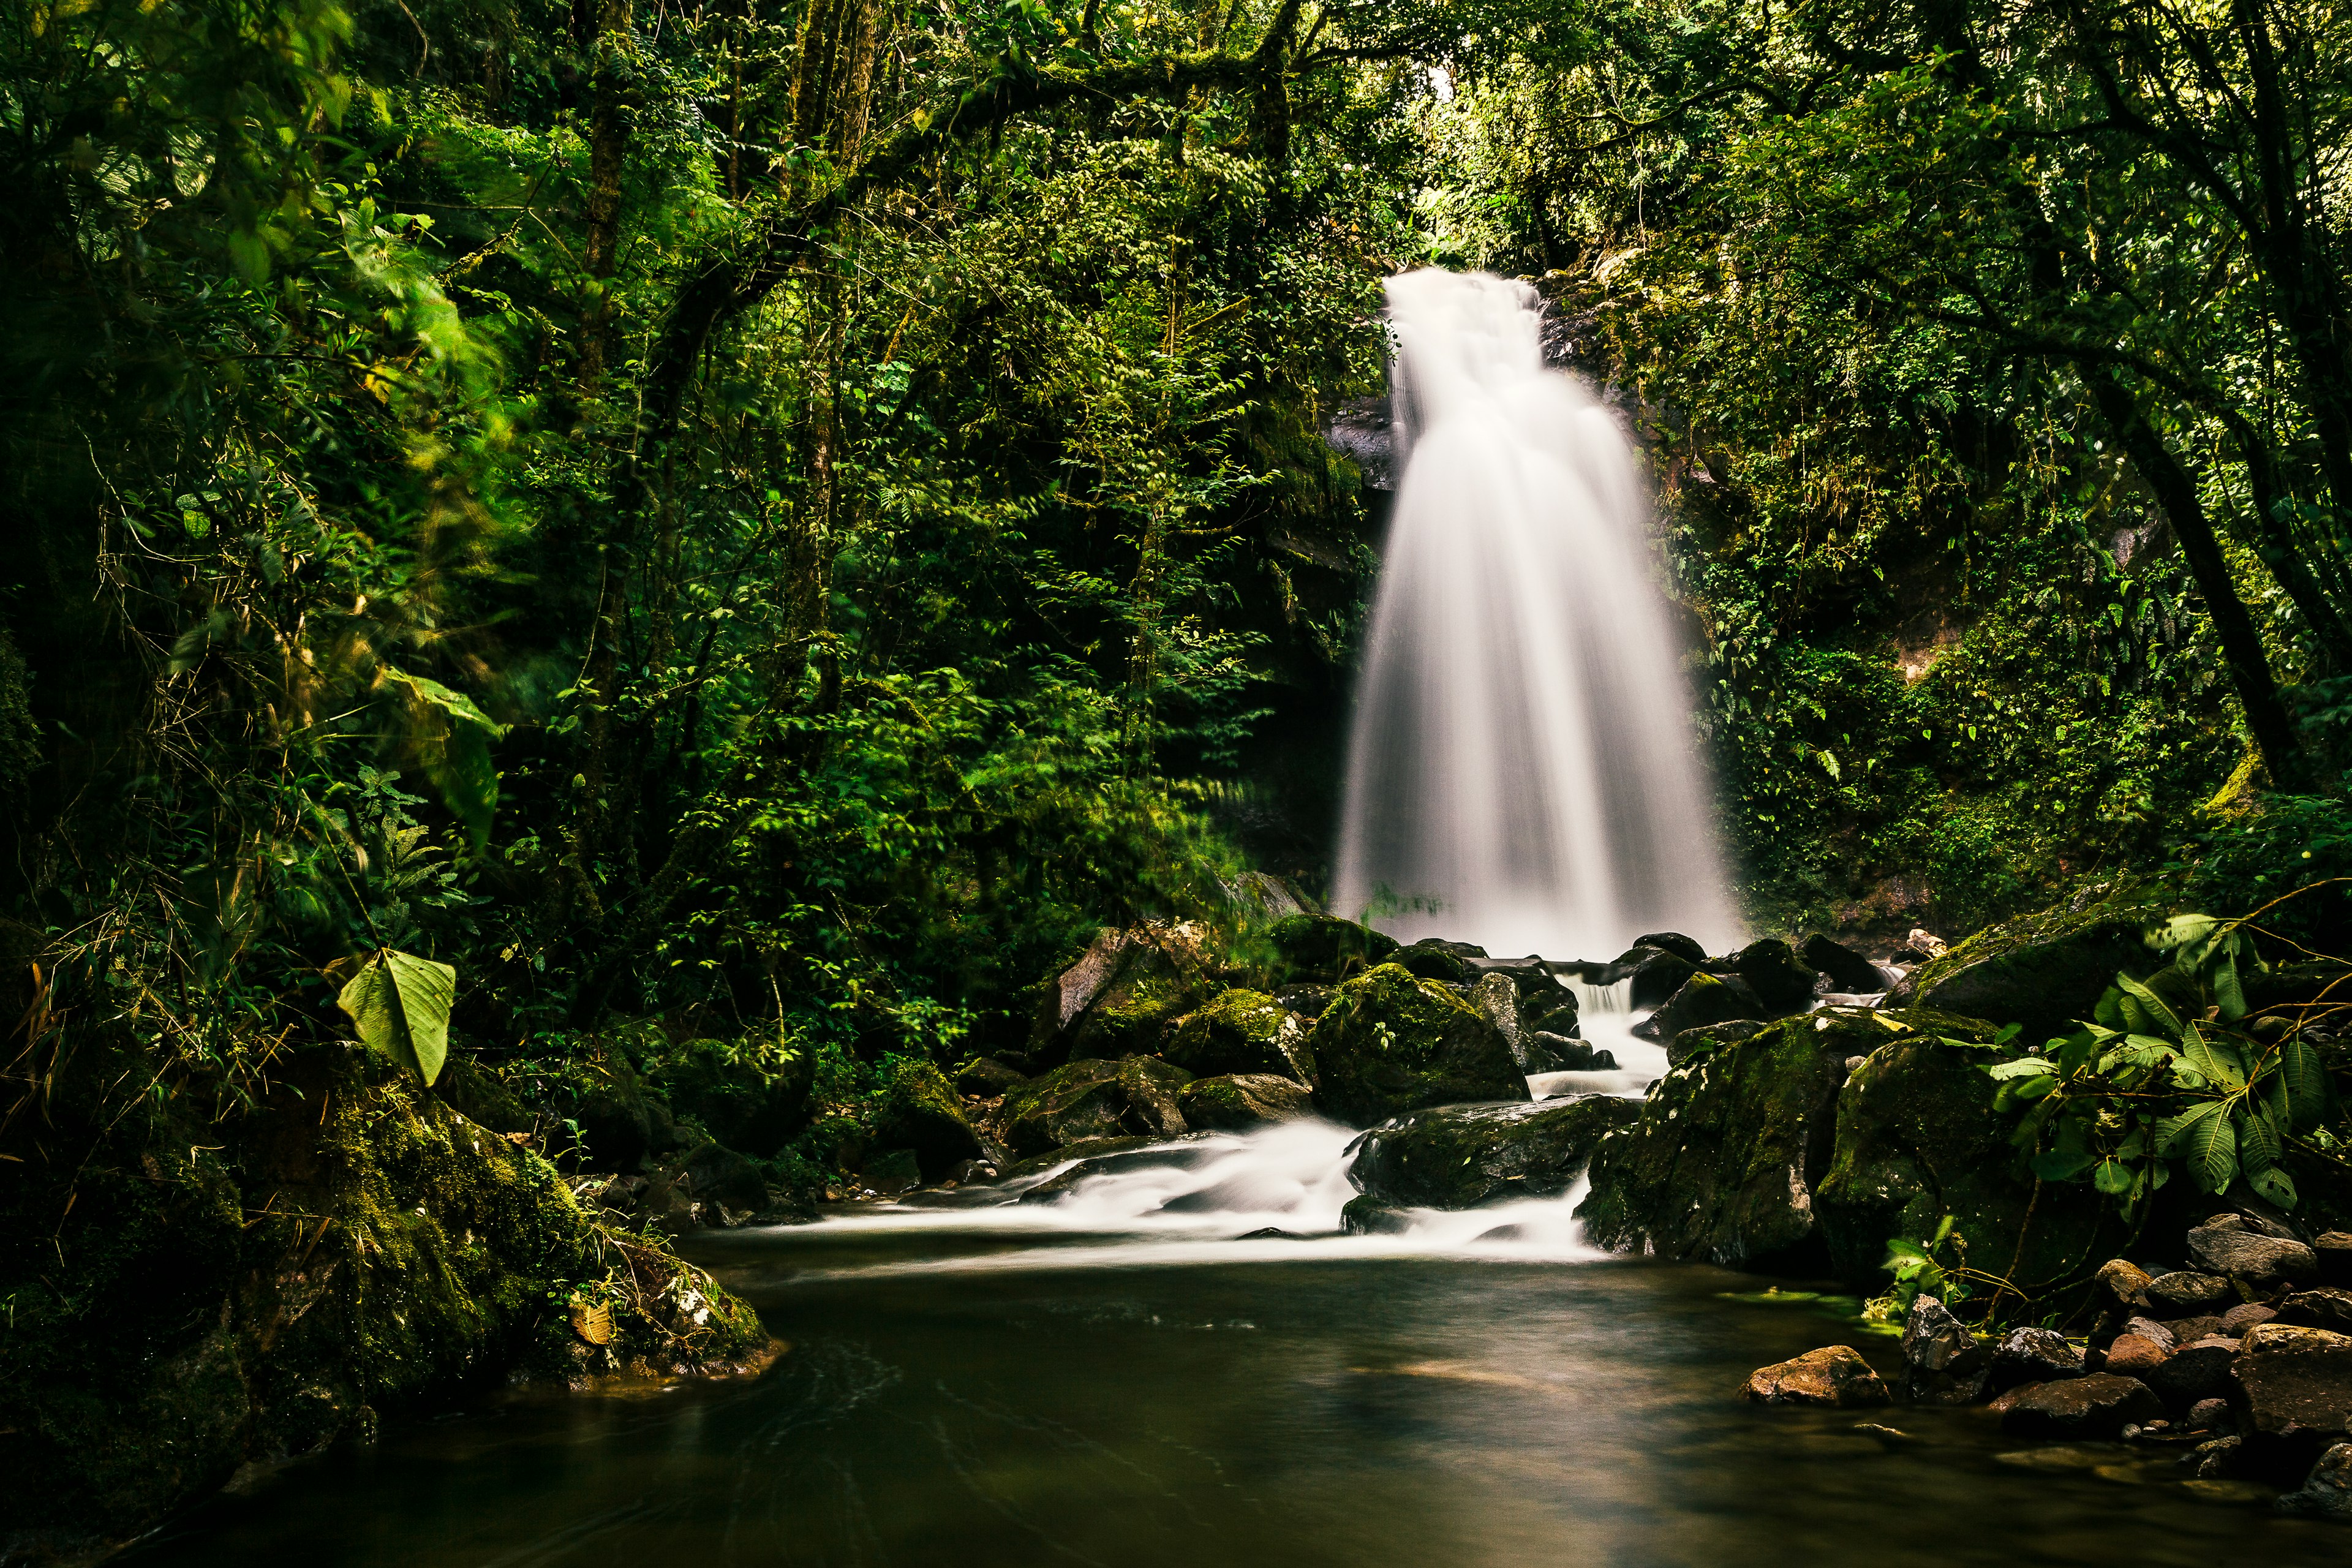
{"x":1522,"y":773}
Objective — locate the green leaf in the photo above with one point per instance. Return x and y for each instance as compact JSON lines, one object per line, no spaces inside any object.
{"x":2023,"y":1067}
{"x":2258,"y":1139}
{"x":2063,"y":1165}
{"x":2109,"y":1012}
{"x":2204,"y":1138}
{"x":2216,"y":1062}
{"x":2274,"y":1185}
{"x":2306,"y":1080}
{"x":2161,"y":1019}
{"x":401,"y":1004}
{"x":451,"y":738}
{"x":2228,"y":993}
{"x":2113,"y":1177}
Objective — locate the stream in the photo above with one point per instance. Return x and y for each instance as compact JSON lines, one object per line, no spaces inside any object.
{"x":1123,"y":1377}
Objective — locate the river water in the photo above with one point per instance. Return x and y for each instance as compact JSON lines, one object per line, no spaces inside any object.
{"x":1122,"y":1377}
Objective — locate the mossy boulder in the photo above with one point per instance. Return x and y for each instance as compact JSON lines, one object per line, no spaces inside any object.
{"x":920,"y":1111}
{"x":1242,"y":1100}
{"x":1134,"y":1096}
{"x":1701,"y":1000}
{"x":1458,"y":1156}
{"x":1917,"y":1139}
{"x":1123,"y":994}
{"x":1448,"y":963}
{"x":751,"y":1094}
{"x":2043,"y":971}
{"x":1323,"y":950}
{"x":1392,"y":1042}
{"x":1241,"y":1032}
{"x":1653,"y":976}
{"x":1774,"y":972}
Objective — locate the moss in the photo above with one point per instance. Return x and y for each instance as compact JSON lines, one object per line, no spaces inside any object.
{"x":2043,"y":970}
{"x":1089,"y":1100}
{"x":1241,"y":1101}
{"x":1241,"y":1032}
{"x":1390,"y":1042}
{"x":1461,"y":1156}
{"x":921,"y":1112}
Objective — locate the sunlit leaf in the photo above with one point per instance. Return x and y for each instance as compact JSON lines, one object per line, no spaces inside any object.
{"x":401,"y":1004}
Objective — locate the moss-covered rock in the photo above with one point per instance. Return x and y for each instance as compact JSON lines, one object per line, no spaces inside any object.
{"x":1774,"y":973}
{"x":921,"y":1112}
{"x":1701,"y":1000}
{"x":1526,"y":1001}
{"x":1242,"y":1101}
{"x":1134,"y":1096}
{"x":1390,"y":1043}
{"x":2043,"y":970}
{"x":1124,"y":994}
{"x":1917,"y":1139}
{"x":749,"y":1094}
{"x":1433,"y":957}
{"x":1457,"y":1157}
{"x":1241,"y":1032}
{"x":1323,"y":950}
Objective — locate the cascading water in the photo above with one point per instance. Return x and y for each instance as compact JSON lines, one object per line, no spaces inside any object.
{"x":1521,"y":774}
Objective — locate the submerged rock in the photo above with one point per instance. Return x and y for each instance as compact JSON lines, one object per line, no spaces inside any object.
{"x":1392,"y":1042}
{"x":2328,"y":1490}
{"x":1134,"y":1096}
{"x":1834,"y":1377}
{"x":1241,"y":1101}
{"x":1368,"y":1215}
{"x":1457,"y":1157}
{"x":1241,"y":1032}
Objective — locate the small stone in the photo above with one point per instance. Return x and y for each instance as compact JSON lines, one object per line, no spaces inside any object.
{"x":2326,"y":1308}
{"x":2246,"y":1316}
{"x":2186,"y":1293}
{"x":2334,"y":1251}
{"x":1834,"y":1376}
{"x":2249,"y":1254}
{"x":2197,"y":1372}
{"x":2290,"y":1376}
{"x":2186,"y":1329}
{"x":2122,"y":1282}
{"x":2132,"y":1356}
{"x":2328,"y":1492}
{"x":2207,"y":1415}
{"x":2218,"y":1460}
{"x":1935,"y":1341}
{"x":2154,"y":1332}
{"x":2099,"y":1406}
{"x":2034,"y":1355}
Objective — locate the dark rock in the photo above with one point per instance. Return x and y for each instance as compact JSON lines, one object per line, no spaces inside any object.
{"x":2250,"y":1254}
{"x":1526,"y":1003}
{"x":749,"y":1096}
{"x":1241,"y":1032}
{"x":1704,"y":999}
{"x":2034,"y":1355}
{"x":1122,"y":995}
{"x":1392,"y":1043}
{"x":2207,"y":1415}
{"x":2154,"y":1332}
{"x":1774,"y":973}
{"x":2219,"y":1459}
{"x":1242,"y":1101}
{"x":2290,"y":1376}
{"x":1447,"y":962}
{"x":1835,"y":1377}
{"x":1849,"y":972}
{"x":717,"y":1174}
{"x":2134,"y":1356}
{"x":890,"y":1171}
{"x":1082,"y":1149}
{"x":1272,"y":1232}
{"x":1323,"y":950}
{"x":922,"y":1113}
{"x":1184,"y":1154}
{"x":2196,"y":1371}
{"x":1655,"y":976}
{"x":2186,"y":1293}
{"x":982,"y":1078}
{"x":1558,"y":1053}
{"x":1368,"y":1215}
{"x":1460,"y":1156}
{"x":2080,"y":1408}
{"x":2120,"y":1283}
{"x":1134,"y":1097}
{"x":2043,"y":971}
{"x":2184,"y":1330}
{"x":1681,"y":946}
{"x":1943,"y":1362}
{"x":2326,"y":1308}
{"x":2334,"y":1251}
{"x":2328,"y":1490}
{"x":1306,"y":1001}
{"x":2248,"y":1315}
{"x":1692,"y":1044}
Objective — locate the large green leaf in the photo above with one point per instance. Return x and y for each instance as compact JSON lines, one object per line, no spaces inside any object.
{"x":2275,"y":1186}
{"x":2305,"y":1081}
{"x":2216,"y":1062}
{"x":2258,"y":1138}
{"x":401,"y":1004}
{"x":450,"y":737}
{"x":2204,"y":1139}
{"x":2160,"y":1019}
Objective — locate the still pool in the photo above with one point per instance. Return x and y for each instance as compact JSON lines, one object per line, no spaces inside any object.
{"x":969,"y":1394}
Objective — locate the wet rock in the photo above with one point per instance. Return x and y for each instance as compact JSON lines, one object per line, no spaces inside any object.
{"x":2034,"y":1355}
{"x":1848,"y":971}
{"x":2334,"y":1251}
{"x":1835,"y":1377}
{"x":1242,"y":1100}
{"x":2288,"y":1376}
{"x":2043,"y":971}
{"x":921,"y":1112}
{"x":2207,"y":1415}
{"x":1241,"y":1032}
{"x":1392,"y":1042}
{"x":1306,"y":1001}
{"x":1653,"y":976}
{"x":1704,"y":999}
{"x":1681,"y":946}
{"x":2186,"y":1293}
{"x":1460,"y":1156}
{"x":1368,"y":1215}
{"x":2196,"y":1371}
{"x":1447,"y":962}
{"x":2326,"y":1308}
{"x":983,"y":1078}
{"x":2226,"y":1246}
{"x":1774,"y":973}
{"x":2219,"y":1459}
{"x":1531,"y":1008}
{"x":1084,"y":1149}
{"x":2184,"y":1330}
{"x":2247,"y":1315}
{"x":2134,"y":1356}
{"x":2095,"y":1406}
{"x":1121,"y":996}
{"x":2121,"y":1282}
{"x":2328,"y":1490}
{"x":1692,"y":1044}
{"x":1558,"y":1053}
{"x":1101,"y":1160}
{"x":1134,"y":1096}
{"x":1943,"y":1362}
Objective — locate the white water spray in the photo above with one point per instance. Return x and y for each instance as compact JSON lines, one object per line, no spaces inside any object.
{"x":1522,"y":773}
